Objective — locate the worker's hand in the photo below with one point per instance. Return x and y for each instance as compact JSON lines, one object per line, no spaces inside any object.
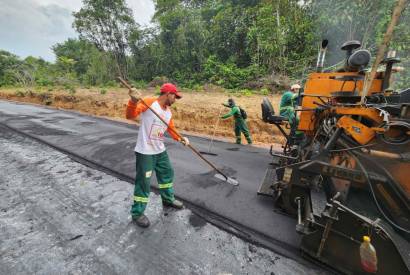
{"x":134,"y":94}
{"x":184,"y":141}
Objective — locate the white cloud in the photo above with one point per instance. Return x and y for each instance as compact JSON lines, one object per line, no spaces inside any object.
{"x":31,"y":27}
{"x":72,"y":5}
{"x":143,"y":10}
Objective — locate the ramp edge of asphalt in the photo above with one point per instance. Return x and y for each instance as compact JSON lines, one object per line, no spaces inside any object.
{"x":241,"y":231}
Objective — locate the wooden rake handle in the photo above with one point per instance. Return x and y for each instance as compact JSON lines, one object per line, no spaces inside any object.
{"x":129,"y":87}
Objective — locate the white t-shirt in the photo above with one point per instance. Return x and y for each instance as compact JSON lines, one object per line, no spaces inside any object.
{"x":151,"y":132}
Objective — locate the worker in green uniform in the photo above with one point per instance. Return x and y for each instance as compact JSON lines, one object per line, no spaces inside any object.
{"x":150,"y":151}
{"x":240,"y":121}
{"x":288,"y":103}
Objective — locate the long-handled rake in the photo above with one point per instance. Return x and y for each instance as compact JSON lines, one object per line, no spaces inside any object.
{"x":219,"y":175}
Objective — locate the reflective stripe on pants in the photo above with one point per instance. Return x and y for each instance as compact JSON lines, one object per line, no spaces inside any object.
{"x":165,"y":185}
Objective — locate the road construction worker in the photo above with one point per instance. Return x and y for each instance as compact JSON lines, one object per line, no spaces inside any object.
{"x":150,"y":151}
{"x":240,"y":121}
{"x":288,"y":103}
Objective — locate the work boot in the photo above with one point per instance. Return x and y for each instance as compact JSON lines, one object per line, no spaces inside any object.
{"x":175,"y":204}
{"x":141,"y":221}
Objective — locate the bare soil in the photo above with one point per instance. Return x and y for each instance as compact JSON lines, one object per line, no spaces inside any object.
{"x":196,"y":113}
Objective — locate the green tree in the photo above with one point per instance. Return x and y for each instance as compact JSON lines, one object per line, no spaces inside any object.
{"x":233,"y":43}
{"x":244,"y":38}
{"x":91,"y":66}
{"x":107,"y":24}
{"x":7,"y":61}
{"x":30,"y":72}
{"x":229,"y":30}
{"x":363,"y":20}
{"x":78,"y":50}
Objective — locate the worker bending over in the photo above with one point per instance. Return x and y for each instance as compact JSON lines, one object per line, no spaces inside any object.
{"x":240,"y":121}
{"x":150,"y":151}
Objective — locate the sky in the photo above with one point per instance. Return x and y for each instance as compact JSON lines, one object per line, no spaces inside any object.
{"x":32,"y":27}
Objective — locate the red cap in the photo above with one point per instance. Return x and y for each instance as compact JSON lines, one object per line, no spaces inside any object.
{"x":170,"y":88}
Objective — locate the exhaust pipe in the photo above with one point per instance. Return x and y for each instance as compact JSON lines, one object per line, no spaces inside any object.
{"x":321,"y":56}
{"x":390,"y":60}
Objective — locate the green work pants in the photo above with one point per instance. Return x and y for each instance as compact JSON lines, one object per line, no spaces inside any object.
{"x":241,"y":127}
{"x":290,"y":114}
{"x":145,"y":165}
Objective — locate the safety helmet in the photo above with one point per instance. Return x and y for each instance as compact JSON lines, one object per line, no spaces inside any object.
{"x":294,"y":87}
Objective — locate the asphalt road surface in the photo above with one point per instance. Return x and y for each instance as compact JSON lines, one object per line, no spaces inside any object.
{"x":109,"y":146}
{"x":58,"y":216}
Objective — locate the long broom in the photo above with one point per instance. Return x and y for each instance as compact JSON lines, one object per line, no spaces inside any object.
{"x":213,"y":136}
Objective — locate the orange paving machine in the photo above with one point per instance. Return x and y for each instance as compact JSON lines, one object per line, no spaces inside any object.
{"x":347,"y":177}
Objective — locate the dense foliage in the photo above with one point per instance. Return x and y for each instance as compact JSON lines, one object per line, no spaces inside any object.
{"x":231,"y":43}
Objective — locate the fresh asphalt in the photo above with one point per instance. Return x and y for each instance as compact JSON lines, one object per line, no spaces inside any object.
{"x":58,"y":216}
{"x":111,"y":145}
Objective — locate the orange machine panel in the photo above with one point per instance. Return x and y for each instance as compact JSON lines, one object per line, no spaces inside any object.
{"x":322,"y":84}
{"x":358,"y":131}
{"x":369,"y":113}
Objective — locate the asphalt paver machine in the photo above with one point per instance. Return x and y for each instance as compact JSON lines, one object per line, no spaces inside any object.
{"x":348,"y":174}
